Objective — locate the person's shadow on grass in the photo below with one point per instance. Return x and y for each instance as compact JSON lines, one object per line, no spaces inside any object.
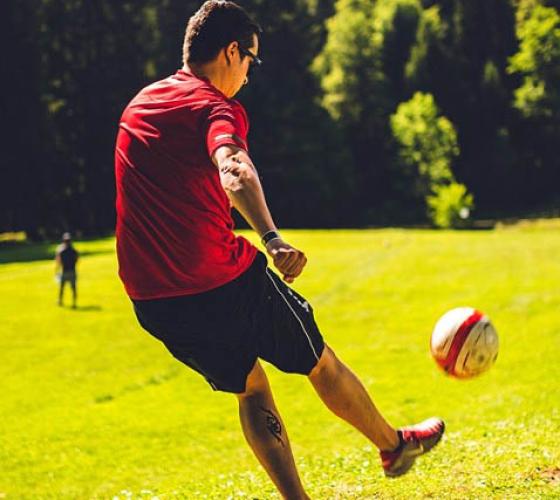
{"x":85,"y":308}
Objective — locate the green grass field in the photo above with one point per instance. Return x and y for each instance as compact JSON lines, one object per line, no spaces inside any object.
{"x":93,"y":407}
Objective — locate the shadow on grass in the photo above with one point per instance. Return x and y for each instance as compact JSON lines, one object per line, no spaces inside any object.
{"x":13,"y":252}
{"x":87,"y":308}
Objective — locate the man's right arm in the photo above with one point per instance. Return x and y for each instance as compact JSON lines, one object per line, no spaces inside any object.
{"x":241,"y":182}
{"x":57,"y":262}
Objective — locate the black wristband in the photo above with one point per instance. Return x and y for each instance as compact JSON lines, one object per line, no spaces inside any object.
{"x":268,"y":236}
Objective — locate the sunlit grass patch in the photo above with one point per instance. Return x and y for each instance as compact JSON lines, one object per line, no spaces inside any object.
{"x":92,"y":407}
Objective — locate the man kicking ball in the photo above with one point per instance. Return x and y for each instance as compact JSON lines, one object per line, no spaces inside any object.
{"x":182,"y":162}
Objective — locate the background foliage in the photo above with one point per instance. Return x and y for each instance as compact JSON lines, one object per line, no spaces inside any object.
{"x":321,"y":134}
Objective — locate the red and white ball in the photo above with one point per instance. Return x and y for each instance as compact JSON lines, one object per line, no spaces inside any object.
{"x":464,"y":343}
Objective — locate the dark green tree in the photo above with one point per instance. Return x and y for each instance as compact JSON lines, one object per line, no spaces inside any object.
{"x":461,"y":57}
{"x":362,"y":71}
{"x":334,"y":73}
{"x":538,"y":99}
{"x":428,"y":145}
{"x":23,"y":159}
{"x":99,"y":53}
{"x":300,"y":154}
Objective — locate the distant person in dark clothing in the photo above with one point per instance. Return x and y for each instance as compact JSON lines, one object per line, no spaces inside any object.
{"x":66,"y":259}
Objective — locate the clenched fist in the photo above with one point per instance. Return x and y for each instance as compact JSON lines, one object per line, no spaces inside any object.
{"x":288,"y":260}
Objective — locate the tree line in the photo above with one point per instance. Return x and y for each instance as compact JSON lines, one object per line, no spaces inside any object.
{"x":365,"y":112}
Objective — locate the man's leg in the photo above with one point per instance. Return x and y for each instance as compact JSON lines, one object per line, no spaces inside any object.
{"x":267,"y":435}
{"x":61,"y":291}
{"x":74,"y":293}
{"x":346,"y":397}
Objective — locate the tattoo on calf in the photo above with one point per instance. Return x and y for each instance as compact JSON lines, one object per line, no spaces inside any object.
{"x":273,"y":425}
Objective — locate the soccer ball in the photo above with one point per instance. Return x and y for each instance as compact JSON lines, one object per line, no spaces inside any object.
{"x":464,"y":343}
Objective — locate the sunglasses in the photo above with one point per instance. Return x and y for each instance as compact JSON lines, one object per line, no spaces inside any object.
{"x":255,"y":61}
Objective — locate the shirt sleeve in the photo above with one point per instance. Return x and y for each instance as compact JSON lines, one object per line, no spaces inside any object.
{"x":227,"y":124}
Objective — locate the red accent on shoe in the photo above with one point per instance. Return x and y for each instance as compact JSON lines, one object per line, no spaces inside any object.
{"x":416,"y":440}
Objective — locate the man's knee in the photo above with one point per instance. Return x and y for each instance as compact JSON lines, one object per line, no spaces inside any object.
{"x":328,"y":364}
{"x":256,"y":383}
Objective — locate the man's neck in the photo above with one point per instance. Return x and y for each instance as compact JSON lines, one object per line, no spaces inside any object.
{"x":210,"y":72}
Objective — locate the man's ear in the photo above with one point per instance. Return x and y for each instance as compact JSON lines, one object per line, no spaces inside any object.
{"x":230,"y":50}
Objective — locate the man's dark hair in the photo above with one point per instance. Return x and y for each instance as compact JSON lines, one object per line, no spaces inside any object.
{"x":213,"y":27}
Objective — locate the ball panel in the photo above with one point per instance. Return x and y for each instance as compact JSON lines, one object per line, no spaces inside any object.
{"x":440,"y":342}
{"x":484,"y":352}
{"x":459,"y":341}
{"x":472,"y":358}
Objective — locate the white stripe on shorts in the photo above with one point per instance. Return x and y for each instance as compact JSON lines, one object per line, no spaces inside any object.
{"x":294,"y":313}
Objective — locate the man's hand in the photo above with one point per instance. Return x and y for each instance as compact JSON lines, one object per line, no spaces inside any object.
{"x":288,"y":260}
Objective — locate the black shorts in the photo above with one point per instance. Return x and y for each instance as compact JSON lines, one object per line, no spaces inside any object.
{"x":68,"y":276}
{"x":221,"y":333}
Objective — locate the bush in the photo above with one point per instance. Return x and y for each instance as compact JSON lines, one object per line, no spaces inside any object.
{"x":450,"y":205}
{"x":427,"y":141}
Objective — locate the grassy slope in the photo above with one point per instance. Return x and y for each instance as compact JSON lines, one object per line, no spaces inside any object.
{"x":92,"y":407}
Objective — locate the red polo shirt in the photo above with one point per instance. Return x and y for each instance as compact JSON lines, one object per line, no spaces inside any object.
{"x":174,"y":225}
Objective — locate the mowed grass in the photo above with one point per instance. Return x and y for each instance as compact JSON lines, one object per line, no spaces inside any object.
{"x":93,"y":407}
